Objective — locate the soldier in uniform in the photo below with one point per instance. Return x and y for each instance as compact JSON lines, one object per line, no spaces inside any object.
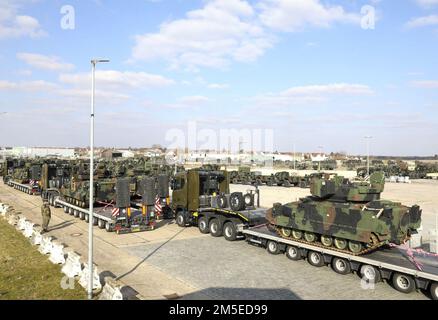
{"x":46,"y":214}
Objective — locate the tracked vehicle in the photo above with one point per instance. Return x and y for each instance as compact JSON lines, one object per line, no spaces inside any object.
{"x":346,"y":216}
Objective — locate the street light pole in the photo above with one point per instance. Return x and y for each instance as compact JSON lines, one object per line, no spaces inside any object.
{"x":368,"y":154}
{"x":91,"y":200}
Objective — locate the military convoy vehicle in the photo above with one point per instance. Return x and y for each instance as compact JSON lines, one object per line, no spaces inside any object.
{"x":202,"y":198}
{"x":349,"y":216}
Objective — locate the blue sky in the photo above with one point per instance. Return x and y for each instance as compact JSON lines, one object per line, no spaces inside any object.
{"x":308,"y":70}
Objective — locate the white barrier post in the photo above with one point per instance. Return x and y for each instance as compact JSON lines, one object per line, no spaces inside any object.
{"x":36,"y":238}
{"x":111,"y":290}
{"x":72,"y":266}
{"x":46,"y":245}
{"x":28,"y":229}
{"x":83,"y":280}
{"x":57,"y":253}
{"x":21,"y":223}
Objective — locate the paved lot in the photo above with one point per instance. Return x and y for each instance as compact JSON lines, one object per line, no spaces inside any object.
{"x":173,"y":262}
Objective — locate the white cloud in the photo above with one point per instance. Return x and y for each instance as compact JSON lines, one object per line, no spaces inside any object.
{"x":312,"y":94}
{"x":425,"y":84}
{"x":39,"y":61}
{"x":35,"y":85}
{"x":427,"y":3}
{"x":188,"y":102}
{"x":13,"y":25}
{"x":218,"y":86}
{"x":221,"y":32}
{"x":194,"y":100}
{"x":426,"y":21}
{"x":117,"y":79}
{"x":292,"y":16}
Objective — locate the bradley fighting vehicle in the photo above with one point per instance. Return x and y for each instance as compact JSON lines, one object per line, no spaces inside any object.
{"x":348,"y":216}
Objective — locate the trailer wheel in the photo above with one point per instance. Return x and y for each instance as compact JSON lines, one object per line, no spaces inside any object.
{"x":293,"y":253}
{"x":215,"y":228}
{"x":403,"y":283}
{"x":81,"y":215}
{"x":230,"y":232}
{"x":370,"y":274}
{"x":75,"y":213}
{"x":108,"y":226}
{"x":101,"y":224}
{"x":65,"y":209}
{"x":315,"y":259}
{"x":70,"y":211}
{"x":203,"y":225}
{"x":434,"y":290}
{"x":272,"y":247}
{"x":87,"y":218}
{"x":341,"y":266}
{"x":95,"y":221}
{"x":181,"y":219}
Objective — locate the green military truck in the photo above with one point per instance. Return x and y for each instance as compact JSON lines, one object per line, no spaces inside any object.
{"x":202,"y":198}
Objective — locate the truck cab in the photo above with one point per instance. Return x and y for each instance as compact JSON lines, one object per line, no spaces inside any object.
{"x":202,"y":198}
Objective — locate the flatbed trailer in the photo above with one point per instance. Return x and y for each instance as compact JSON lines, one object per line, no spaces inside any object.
{"x":221,"y":221}
{"x":387,"y":264}
{"x":104,"y":219}
{"x":26,"y":188}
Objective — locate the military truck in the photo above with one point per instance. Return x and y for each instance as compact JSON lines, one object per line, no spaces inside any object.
{"x":24,"y":175}
{"x":202,"y":198}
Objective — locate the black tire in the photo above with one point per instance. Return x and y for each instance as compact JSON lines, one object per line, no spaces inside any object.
{"x":203,"y":225}
{"x":65,"y":209}
{"x":222,"y":201}
{"x":293,"y":253}
{"x":370,"y":273}
{"x":237,"y":203}
{"x":101,"y":224}
{"x":403,"y":282}
{"x":81,"y":215}
{"x":108,"y":227}
{"x":341,"y":266}
{"x":75,"y":213}
{"x":272,"y":247}
{"x":215,"y":227}
{"x":181,"y":219}
{"x":434,"y":290}
{"x":95,"y":221}
{"x":87,"y":218}
{"x":230,"y":231}
{"x":315,"y":259}
{"x":249,"y":200}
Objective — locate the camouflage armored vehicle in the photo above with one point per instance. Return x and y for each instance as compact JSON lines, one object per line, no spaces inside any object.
{"x":348,"y":216}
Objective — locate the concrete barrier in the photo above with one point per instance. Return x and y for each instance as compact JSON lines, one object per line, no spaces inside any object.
{"x":21,"y":225}
{"x":46,"y":245}
{"x":111,"y":290}
{"x":83,"y":280}
{"x":28,"y":229}
{"x":73,"y":266}
{"x":36,"y":238}
{"x":57,"y":255}
{"x":13,"y":219}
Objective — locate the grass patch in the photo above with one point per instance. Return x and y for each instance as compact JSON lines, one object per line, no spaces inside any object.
{"x":26,"y":274}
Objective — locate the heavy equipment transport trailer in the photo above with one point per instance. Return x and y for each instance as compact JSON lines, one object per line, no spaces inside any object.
{"x":26,"y":188}
{"x":104,"y":219}
{"x":385,"y":264}
{"x":221,"y":221}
